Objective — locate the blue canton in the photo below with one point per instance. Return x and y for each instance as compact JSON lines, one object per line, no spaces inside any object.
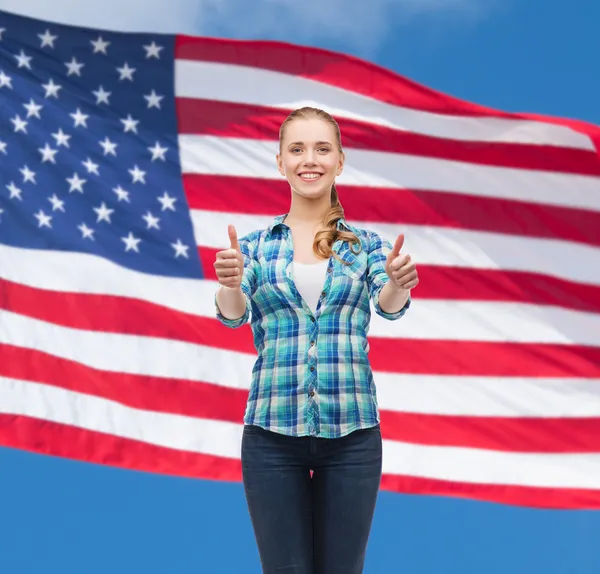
{"x":312,"y":376}
{"x":89,"y":156}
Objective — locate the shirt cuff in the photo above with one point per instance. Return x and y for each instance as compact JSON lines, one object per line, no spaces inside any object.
{"x":233,"y":323}
{"x":384,"y":314}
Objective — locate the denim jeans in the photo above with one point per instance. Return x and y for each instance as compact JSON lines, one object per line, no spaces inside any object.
{"x":318,"y":524}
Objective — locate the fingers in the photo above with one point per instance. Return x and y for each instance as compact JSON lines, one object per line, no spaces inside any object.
{"x":233,"y":238}
{"x":400,"y":262}
{"x":398,"y":245}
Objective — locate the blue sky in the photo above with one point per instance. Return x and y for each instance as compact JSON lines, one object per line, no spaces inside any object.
{"x":61,"y":516}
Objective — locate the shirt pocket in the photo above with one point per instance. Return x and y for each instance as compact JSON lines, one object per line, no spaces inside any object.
{"x":356,"y":269}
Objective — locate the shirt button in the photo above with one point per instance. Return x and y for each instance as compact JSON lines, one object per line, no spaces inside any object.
{"x":323,"y":293}
{"x":312,"y":369}
{"x":312,"y":393}
{"x":312,"y":343}
{"x":313,"y":319}
{"x":329,"y":270}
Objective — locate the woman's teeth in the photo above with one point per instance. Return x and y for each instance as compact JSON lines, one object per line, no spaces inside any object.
{"x":310,"y":176}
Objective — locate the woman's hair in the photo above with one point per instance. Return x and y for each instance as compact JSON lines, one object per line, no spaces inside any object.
{"x":325,"y":238}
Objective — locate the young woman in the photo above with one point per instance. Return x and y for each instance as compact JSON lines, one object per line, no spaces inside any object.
{"x":311,"y":445}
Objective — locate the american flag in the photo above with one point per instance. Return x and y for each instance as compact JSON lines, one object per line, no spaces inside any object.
{"x":124,"y":156}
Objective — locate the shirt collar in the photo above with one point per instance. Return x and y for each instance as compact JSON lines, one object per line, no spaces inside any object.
{"x":278,"y":220}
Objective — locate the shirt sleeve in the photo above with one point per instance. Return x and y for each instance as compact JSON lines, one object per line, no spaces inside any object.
{"x":377,"y":276}
{"x":248,"y":285}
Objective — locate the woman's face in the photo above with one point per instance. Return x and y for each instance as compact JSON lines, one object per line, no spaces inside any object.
{"x":310,"y":158}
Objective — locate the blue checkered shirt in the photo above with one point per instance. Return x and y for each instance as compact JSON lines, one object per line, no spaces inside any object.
{"x":312,"y":376}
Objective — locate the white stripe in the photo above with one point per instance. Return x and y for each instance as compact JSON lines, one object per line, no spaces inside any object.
{"x":222,"y":438}
{"x":440,"y":246}
{"x":146,"y":356}
{"x":256,"y":158}
{"x":427,"y":319}
{"x":221,"y":82}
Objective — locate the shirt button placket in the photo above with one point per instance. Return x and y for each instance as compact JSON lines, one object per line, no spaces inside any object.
{"x":313,"y":414}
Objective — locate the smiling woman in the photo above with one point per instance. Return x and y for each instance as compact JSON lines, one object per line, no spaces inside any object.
{"x":311,"y":445}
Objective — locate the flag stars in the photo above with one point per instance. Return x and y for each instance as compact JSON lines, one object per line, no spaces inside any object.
{"x":153,"y":50}
{"x":91,"y":166}
{"x":86,"y":232}
{"x":3,"y":146}
{"x":20,"y":125}
{"x":76,"y":183}
{"x":122,"y":194}
{"x":181,"y":250}
{"x":129,"y":124}
{"x":137,"y":174}
{"x":102,"y":96}
{"x":158,"y":152}
{"x":125,"y":72}
{"x":33,"y":109}
{"x":5,"y":81}
{"x":80,"y":118}
{"x":48,"y":154}
{"x":23,"y":61}
{"x":131,"y":242}
{"x":167,"y":201}
{"x":151,"y":221}
{"x":108,"y":146}
{"x":2,"y":30}
{"x":100,"y":45}
{"x":44,"y":220}
{"x":15,"y":192}
{"x":61,"y":138}
{"x":28,"y":175}
{"x":153,"y":100}
{"x":103,"y":213}
{"x":47,"y":39}
{"x":74,"y":67}
{"x":51,"y":89}
{"x":57,"y":204}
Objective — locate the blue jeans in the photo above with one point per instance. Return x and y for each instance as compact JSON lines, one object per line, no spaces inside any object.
{"x":317,"y":525}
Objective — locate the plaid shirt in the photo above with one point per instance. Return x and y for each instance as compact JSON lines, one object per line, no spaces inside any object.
{"x":312,"y":375}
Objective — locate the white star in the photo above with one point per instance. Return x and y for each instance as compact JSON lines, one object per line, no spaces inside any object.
{"x":151,"y":221}
{"x":137,"y":174}
{"x":1,"y":212}
{"x":23,"y":61}
{"x":14,"y":191}
{"x":2,"y":30}
{"x":180,"y":249}
{"x":47,"y":39}
{"x":167,"y":202}
{"x":91,"y":166}
{"x":48,"y":153}
{"x":130,"y":125}
{"x":20,"y":125}
{"x":157,"y":151}
{"x":122,"y":195}
{"x":74,"y":67}
{"x":57,"y":203}
{"x":51,"y":89}
{"x":61,"y":138}
{"x":126,"y":73}
{"x":131,"y":242}
{"x":103,"y":213}
{"x":101,"y":96}
{"x":33,"y":109}
{"x":5,"y":80}
{"x":108,"y":146}
{"x":80,"y":118}
{"x":28,"y":175}
{"x":86,"y":232}
{"x":100,"y":45}
{"x":3,"y":147}
{"x":153,"y":50}
{"x":153,"y":100}
{"x":76,"y":183}
{"x":43,"y":219}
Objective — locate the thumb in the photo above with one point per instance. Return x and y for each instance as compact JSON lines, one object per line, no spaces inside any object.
{"x":233,"y":238}
{"x":397,"y":246}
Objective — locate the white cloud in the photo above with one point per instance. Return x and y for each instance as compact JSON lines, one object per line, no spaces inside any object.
{"x":359,"y":25}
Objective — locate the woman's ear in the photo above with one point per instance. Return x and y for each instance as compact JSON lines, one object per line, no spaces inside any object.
{"x":280,"y":164}
{"x":340,"y":168}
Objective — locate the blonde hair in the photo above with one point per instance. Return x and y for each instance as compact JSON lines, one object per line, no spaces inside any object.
{"x":325,"y":238}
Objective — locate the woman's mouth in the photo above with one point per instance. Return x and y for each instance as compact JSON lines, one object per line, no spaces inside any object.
{"x":310,"y":176}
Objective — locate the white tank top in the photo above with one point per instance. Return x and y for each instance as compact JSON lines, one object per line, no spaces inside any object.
{"x":309,"y":279}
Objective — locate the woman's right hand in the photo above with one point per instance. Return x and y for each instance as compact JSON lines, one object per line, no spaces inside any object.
{"x":229,"y":264}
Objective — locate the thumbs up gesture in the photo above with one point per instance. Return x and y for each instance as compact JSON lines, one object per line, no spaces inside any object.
{"x":229,"y":264}
{"x":400,"y":268}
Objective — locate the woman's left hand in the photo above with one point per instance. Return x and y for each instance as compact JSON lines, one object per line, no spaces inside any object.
{"x":401,"y":269}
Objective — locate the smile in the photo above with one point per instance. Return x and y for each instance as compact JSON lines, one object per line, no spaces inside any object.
{"x":310,"y":176}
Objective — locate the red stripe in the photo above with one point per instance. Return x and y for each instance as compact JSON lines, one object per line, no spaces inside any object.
{"x":465,"y":284}
{"x":115,"y":314}
{"x":209,"y":401}
{"x":60,"y":440}
{"x":265,"y":197}
{"x":229,"y":119}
